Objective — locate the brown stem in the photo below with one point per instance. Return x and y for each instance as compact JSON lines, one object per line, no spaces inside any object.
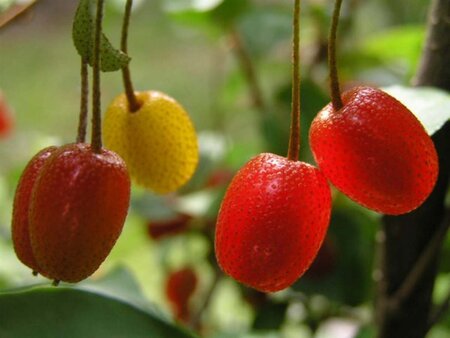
{"x":294,"y":138}
{"x":126,"y":75}
{"x":332,"y":63}
{"x":96,"y":94}
{"x":248,"y":69}
{"x":82,"y":124}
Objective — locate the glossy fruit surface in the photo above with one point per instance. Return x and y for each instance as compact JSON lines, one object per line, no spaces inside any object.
{"x":78,"y":207}
{"x":375,"y":151}
{"x":22,"y":200}
{"x":272,"y":222}
{"x":158,"y":142}
{"x":180,"y":286}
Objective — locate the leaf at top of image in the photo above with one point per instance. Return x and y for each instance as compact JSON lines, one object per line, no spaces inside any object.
{"x":112,"y":59}
{"x":431,"y":106}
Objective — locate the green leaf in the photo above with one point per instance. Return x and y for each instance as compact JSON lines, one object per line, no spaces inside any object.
{"x":431,"y":106}
{"x":47,"y":312}
{"x":112,"y":59}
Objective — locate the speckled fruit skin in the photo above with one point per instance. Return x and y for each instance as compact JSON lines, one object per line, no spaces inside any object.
{"x":180,"y":286}
{"x":375,"y":151}
{"x":22,"y":200}
{"x":78,"y":207}
{"x":272,"y":222}
{"x":158,"y":142}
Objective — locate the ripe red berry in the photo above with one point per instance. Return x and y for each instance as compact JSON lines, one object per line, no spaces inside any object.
{"x":272,"y":222}
{"x":6,"y":122}
{"x":375,"y":151}
{"x":180,"y":286}
{"x":79,"y":201}
{"x":22,"y":200}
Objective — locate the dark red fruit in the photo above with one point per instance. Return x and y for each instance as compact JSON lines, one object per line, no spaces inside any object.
{"x":375,"y":151}
{"x":79,"y":201}
{"x":180,"y":286}
{"x":6,"y":122}
{"x":22,"y":200}
{"x":169,"y":227}
{"x":272,"y":222}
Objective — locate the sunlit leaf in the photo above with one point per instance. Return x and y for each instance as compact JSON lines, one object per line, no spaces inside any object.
{"x":430,"y":105}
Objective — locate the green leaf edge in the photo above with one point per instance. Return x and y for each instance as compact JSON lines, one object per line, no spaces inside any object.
{"x":140,"y":307}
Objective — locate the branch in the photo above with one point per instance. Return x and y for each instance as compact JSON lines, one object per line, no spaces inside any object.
{"x":417,"y":272}
{"x":248,"y":69}
{"x":14,"y":12}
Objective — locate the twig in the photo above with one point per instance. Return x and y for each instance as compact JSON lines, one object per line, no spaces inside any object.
{"x":248,"y":69}
{"x":14,"y":12}
{"x":416,"y":273}
{"x":196,"y":319}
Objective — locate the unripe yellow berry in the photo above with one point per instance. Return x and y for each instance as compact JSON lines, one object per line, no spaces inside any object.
{"x":158,"y":142}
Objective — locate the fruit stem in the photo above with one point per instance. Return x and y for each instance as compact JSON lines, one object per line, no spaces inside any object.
{"x":96,"y":94}
{"x":126,"y":76}
{"x":294,"y":138}
{"x":82,"y":124}
{"x":332,"y":64}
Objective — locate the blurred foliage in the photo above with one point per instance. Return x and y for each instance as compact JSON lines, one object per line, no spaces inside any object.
{"x":186,"y":48}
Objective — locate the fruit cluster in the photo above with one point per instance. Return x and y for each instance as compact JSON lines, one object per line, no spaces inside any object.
{"x":275,"y":213}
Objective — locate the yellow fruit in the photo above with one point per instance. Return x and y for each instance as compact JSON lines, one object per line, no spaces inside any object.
{"x":158,"y":142}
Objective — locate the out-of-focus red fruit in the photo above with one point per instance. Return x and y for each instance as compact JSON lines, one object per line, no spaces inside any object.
{"x":79,"y":201}
{"x":180,"y":287}
{"x":220,"y":177}
{"x":375,"y":151}
{"x":169,"y":227}
{"x":272,"y":222}
{"x":6,"y":120}
{"x":22,"y":200}
{"x":325,"y":261}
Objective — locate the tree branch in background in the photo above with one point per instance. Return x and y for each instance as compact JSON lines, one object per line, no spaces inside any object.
{"x":14,"y":12}
{"x":248,"y":69}
{"x":407,"y":237}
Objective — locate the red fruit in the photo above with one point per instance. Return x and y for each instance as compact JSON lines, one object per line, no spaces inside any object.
{"x":6,"y":122}
{"x":375,"y":151}
{"x":179,"y":288}
{"x":165,"y":228}
{"x":272,"y":222}
{"x":79,"y":201}
{"x":22,"y":200}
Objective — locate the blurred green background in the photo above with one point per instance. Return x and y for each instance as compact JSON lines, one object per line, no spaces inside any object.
{"x":200,"y":52}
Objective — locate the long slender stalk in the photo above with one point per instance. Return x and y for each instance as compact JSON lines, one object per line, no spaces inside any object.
{"x":82,"y":124}
{"x":96,"y":94}
{"x":332,"y":63}
{"x":294,"y":138}
{"x":126,"y":75}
